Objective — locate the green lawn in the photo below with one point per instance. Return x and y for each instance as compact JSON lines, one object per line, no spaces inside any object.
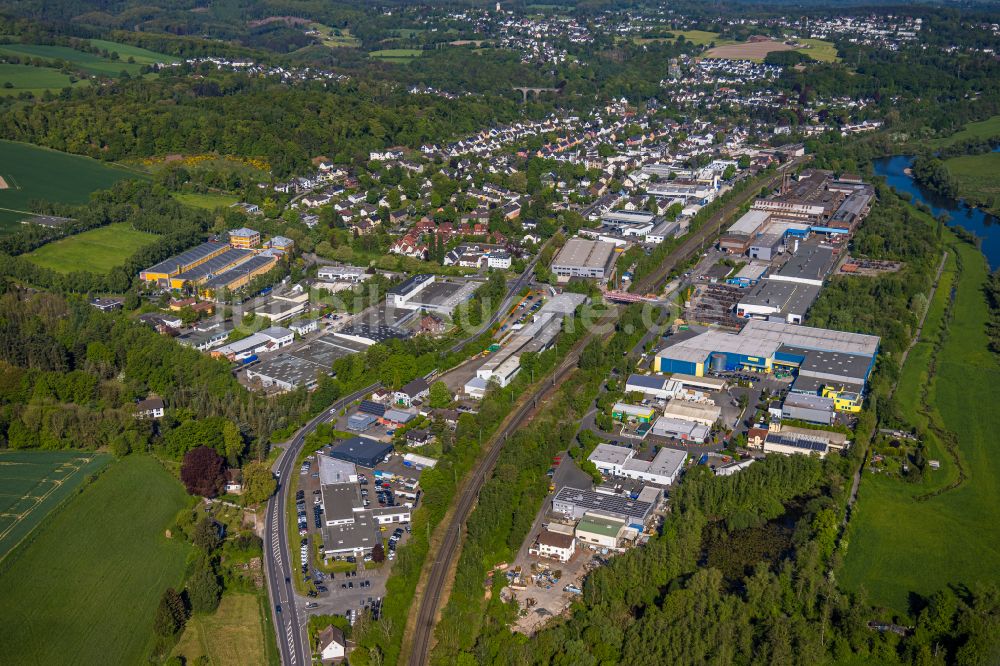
{"x":36,"y":80}
{"x":85,"y":590}
{"x":231,"y":636}
{"x":33,"y":483}
{"x":396,"y":55}
{"x":208,"y":201}
{"x":978,"y":178}
{"x":34,"y":173}
{"x":96,"y":251}
{"x":819,"y":50}
{"x":983,"y":129}
{"x":898,"y":545}
{"x":91,"y":63}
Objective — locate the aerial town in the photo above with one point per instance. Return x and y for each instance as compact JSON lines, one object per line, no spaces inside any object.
{"x":498,"y":333}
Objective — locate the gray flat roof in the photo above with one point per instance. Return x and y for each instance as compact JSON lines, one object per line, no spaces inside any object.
{"x":360,"y":535}
{"x":340,"y":500}
{"x":647,"y":381}
{"x":410,"y":284}
{"x":785,"y":297}
{"x":831,"y":365}
{"x":186,"y":257}
{"x":808,"y":401}
{"x":580,"y":252}
{"x":288,"y":369}
{"x":811,"y":262}
{"x":251,"y":264}
{"x":215,"y":264}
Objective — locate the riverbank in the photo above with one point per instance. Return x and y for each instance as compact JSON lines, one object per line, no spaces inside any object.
{"x":895,"y":170}
{"x":978,"y":180}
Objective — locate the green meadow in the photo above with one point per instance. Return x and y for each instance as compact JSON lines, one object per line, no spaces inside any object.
{"x":95,"y":251}
{"x":903,"y":538}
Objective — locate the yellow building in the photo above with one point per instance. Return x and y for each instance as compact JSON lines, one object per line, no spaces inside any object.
{"x":162,"y":272}
{"x":238,"y":276}
{"x":244,"y":239}
{"x":843,"y":401}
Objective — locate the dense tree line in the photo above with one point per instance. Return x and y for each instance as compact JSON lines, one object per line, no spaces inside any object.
{"x":933,"y":175}
{"x":72,"y":374}
{"x":140,"y":204}
{"x":237,"y":114}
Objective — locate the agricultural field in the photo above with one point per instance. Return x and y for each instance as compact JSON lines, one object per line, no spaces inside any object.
{"x":89,"y":583}
{"x":207,"y":200}
{"x":35,"y":80}
{"x":396,"y":55}
{"x":29,"y":173}
{"x":757,"y":51}
{"x":231,"y":636}
{"x":899,"y":544}
{"x":983,"y":129}
{"x":978,"y":178}
{"x":91,"y":63}
{"x":33,"y":483}
{"x":95,"y":251}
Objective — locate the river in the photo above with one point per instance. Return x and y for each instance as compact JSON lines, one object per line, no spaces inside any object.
{"x":984,"y":225}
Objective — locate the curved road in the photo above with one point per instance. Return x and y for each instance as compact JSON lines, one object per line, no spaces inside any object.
{"x":289,"y":623}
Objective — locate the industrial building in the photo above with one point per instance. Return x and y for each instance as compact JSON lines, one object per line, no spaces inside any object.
{"x":820,"y":357}
{"x":353,"y":274}
{"x":789,"y":301}
{"x":574,"y":503}
{"x":600,"y":531}
{"x":239,"y":275}
{"x":179,"y":263}
{"x":268,"y":339}
{"x":400,"y":295}
{"x":682,"y":429}
{"x":624,"y":412}
{"x":362,"y":451}
{"x":808,"y":407}
{"x":244,"y":238}
{"x":699,"y":412}
{"x":663,"y":469}
{"x":738,"y":237}
{"x":585,"y":259}
{"x":658,"y":387}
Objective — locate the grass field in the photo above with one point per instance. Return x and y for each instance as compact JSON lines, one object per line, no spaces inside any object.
{"x":978,"y":178}
{"x":819,"y":50}
{"x":208,"y":201}
{"x":901,"y":546}
{"x":696,"y":37}
{"x":396,"y":55}
{"x":34,"y":173}
{"x":32,"y":483}
{"x":332,"y":40}
{"x":36,"y":80}
{"x":983,"y":129}
{"x":85,"y":590}
{"x":231,"y":636}
{"x":140,"y":55}
{"x":95,"y":251}
{"x":91,"y":63}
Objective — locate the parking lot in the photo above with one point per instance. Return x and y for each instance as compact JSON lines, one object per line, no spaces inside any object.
{"x":346,"y":586}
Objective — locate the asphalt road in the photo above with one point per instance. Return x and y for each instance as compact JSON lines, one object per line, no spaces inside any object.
{"x":289,"y":621}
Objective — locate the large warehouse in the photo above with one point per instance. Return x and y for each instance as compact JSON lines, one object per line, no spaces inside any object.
{"x":821,"y":357}
{"x":179,"y":263}
{"x":362,"y":451}
{"x":584,"y":258}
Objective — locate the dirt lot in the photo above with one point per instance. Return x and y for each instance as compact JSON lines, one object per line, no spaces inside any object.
{"x":747,"y":50}
{"x":544,"y":596}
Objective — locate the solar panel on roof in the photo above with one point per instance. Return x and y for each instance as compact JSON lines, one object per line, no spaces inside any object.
{"x":371,"y":407}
